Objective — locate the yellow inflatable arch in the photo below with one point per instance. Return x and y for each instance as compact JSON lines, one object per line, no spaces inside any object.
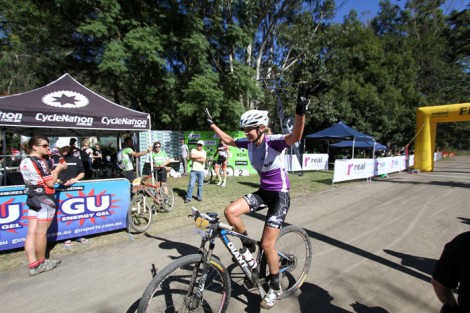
{"x":426,"y":123}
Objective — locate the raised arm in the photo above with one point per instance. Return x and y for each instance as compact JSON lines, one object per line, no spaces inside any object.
{"x":226,"y":138}
{"x":299,"y":123}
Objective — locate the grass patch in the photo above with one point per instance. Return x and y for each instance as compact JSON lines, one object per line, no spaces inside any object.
{"x":215,"y":199}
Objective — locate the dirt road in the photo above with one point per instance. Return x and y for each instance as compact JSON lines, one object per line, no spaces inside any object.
{"x":374,"y":248}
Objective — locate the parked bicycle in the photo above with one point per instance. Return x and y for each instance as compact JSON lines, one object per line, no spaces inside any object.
{"x":200,"y":282}
{"x":209,"y":172}
{"x":147,"y":200}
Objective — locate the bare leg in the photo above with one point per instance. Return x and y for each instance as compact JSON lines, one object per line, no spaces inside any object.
{"x":41,"y":239}
{"x":30,"y":242}
{"x":233,"y":211}
{"x":268,"y":243}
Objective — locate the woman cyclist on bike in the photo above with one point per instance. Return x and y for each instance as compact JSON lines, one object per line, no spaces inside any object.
{"x":266,"y":153}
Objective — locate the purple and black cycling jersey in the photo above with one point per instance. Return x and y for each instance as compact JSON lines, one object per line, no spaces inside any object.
{"x":268,"y":160}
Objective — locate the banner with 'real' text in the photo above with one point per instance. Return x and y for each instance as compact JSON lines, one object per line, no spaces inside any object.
{"x":86,"y":208}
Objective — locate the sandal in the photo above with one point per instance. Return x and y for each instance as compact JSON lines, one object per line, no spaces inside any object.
{"x":82,"y":240}
{"x":68,"y":244}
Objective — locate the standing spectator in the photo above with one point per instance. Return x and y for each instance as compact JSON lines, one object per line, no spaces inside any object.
{"x":15,"y":154}
{"x":198,"y":157}
{"x":86,"y":155}
{"x":72,"y":174}
{"x":39,"y":180}
{"x":74,"y":171}
{"x":74,"y":149}
{"x":128,"y":151}
{"x":184,"y":157}
{"x":97,"y":160}
{"x":222,"y":153}
{"x":160,"y":161}
{"x":452,"y":270}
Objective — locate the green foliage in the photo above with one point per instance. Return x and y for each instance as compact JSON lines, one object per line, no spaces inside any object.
{"x":174,"y":58}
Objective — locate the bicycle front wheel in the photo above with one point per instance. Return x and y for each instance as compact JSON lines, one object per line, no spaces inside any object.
{"x":140,"y":213}
{"x":175,"y":288}
{"x":295,"y":250}
{"x":167,"y":198}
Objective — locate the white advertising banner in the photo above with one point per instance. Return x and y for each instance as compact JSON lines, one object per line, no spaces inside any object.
{"x":382,"y":166}
{"x":364,"y":168}
{"x":315,"y":162}
{"x":292,"y":163}
{"x":350,"y":169}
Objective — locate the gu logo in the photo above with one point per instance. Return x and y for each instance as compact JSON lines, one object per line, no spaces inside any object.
{"x":10,"y":215}
{"x":88,"y":207}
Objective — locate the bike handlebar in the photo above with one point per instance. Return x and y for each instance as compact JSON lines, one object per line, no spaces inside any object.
{"x":211,"y":219}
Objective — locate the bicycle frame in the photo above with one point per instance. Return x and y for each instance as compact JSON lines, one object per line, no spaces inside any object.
{"x":210,"y":236}
{"x":145,"y":188}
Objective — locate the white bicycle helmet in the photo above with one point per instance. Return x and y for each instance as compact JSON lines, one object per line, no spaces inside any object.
{"x":254,"y":118}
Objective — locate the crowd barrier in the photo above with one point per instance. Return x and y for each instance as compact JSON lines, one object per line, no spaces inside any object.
{"x":351,"y":169}
{"x":86,"y":208}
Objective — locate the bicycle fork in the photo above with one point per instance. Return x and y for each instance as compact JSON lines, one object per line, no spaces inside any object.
{"x":194,"y":297}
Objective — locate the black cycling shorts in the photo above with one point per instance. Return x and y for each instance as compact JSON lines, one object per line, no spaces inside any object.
{"x":161,"y":175}
{"x":278,"y":203}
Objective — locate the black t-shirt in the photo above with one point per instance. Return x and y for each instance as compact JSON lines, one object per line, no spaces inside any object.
{"x":97,"y":161}
{"x":74,"y":167}
{"x":453,"y":268}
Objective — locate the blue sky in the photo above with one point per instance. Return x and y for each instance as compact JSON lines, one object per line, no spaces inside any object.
{"x":367,"y":9}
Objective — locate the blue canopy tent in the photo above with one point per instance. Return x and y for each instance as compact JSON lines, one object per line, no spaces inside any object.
{"x":340,"y":131}
{"x":360,"y":144}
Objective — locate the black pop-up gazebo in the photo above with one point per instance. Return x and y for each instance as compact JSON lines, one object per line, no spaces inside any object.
{"x":67,"y":108}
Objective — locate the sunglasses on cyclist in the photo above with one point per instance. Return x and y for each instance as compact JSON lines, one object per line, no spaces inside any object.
{"x":44,"y":146}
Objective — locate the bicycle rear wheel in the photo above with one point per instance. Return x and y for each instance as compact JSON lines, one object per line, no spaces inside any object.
{"x":167,"y":199}
{"x":295,"y":249}
{"x":175,"y":288}
{"x":140,"y":213}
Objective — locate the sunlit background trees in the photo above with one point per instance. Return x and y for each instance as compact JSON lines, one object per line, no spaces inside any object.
{"x":174,"y":58}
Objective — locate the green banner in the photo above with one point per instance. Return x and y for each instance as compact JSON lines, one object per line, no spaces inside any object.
{"x":238,"y":157}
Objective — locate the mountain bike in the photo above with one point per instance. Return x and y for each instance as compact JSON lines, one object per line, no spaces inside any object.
{"x":147,"y":200}
{"x":200,"y":282}
{"x":209,"y":171}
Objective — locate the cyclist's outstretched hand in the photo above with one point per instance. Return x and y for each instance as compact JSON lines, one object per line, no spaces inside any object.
{"x":208,"y":117}
{"x":302,"y":100}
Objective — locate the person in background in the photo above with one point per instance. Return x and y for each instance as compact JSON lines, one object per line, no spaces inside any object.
{"x":452,"y":270}
{"x":15,"y":154}
{"x":97,"y":160}
{"x":72,"y":174}
{"x":198,"y":157}
{"x":73,"y":146}
{"x":184,"y":157}
{"x":39,"y":180}
{"x":74,"y":171}
{"x":160,"y":161}
{"x":222,"y":153}
{"x":127,"y":153}
{"x":86,"y":155}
